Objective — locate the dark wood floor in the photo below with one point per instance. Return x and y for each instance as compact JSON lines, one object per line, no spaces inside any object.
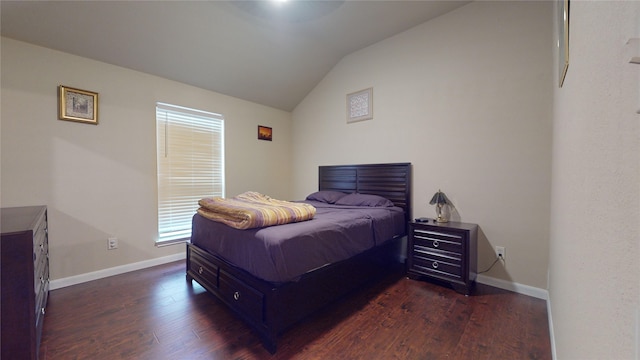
{"x":155,"y":314}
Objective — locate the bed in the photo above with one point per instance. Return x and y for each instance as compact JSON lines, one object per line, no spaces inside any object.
{"x":270,"y":290}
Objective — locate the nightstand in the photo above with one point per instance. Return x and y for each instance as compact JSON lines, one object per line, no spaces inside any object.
{"x":447,"y":252}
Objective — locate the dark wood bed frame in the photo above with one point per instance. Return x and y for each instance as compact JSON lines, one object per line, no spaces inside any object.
{"x":271,"y":308}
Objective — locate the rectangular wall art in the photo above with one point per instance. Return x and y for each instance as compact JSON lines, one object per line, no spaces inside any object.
{"x":360,"y":105}
{"x":264,"y":133}
{"x":78,"y":105}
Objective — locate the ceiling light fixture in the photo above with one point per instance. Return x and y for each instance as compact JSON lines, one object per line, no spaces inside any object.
{"x":297,"y":11}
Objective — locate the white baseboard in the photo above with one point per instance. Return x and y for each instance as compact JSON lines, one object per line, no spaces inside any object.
{"x":515,"y":287}
{"x":95,"y":275}
{"x":524,"y":290}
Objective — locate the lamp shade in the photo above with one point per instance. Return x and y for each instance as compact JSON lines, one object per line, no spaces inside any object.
{"x":439,"y":198}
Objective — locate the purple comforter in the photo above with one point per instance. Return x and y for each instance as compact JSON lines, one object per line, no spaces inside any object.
{"x":285,"y":252}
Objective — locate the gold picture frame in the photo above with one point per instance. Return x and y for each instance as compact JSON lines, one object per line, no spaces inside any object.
{"x":360,"y":105}
{"x":77,"y":105}
{"x":563,"y":40}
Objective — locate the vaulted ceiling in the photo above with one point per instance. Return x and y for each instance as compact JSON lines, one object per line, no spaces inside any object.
{"x":268,"y":52}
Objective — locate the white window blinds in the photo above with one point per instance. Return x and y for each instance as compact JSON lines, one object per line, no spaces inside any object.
{"x":190,"y":166}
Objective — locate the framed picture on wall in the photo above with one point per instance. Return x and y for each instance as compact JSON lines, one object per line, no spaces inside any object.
{"x":265,"y":133}
{"x":360,"y":105}
{"x":77,"y":105}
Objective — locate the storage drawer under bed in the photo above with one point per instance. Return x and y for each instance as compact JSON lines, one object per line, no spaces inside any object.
{"x":242,"y":296}
{"x":206,"y":271}
{"x":236,"y":293}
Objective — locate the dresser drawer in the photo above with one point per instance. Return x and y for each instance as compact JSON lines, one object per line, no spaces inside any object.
{"x":42,"y":295}
{"x":242,"y":296}
{"x":206,"y":272}
{"x":42,"y":261}
{"x":40,"y":278}
{"x":40,"y":231}
{"x":40,"y":244}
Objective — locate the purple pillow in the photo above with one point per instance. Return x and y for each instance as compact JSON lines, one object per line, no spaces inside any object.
{"x":364,"y":200}
{"x":326,"y":196}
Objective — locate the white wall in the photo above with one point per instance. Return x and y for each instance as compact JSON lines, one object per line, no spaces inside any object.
{"x":100,"y":181}
{"x":594,"y":285}
{"x":467,"y":99}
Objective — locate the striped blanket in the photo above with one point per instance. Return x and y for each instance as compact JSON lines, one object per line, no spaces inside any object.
{"x":252,"y":210}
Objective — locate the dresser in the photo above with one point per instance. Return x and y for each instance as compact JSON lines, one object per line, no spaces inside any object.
{"x":447,"y":252}
{"x":24,"y":265}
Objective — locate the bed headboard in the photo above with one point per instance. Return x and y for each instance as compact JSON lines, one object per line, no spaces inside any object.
{"x":392,"y":181}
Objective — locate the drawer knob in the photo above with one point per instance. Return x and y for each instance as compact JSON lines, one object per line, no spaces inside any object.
{"x":200,"y":270}
{"x":236,"y":295}
{"x":435,"y":264}
{"x":436,"y":243}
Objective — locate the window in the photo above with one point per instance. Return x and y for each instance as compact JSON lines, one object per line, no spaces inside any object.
{"x":190,"y":146}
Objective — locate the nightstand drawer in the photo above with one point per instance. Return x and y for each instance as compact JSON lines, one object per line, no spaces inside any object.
{"x":440,"y":265}
{"x":438,"y":235}
{"x":437,"y":241}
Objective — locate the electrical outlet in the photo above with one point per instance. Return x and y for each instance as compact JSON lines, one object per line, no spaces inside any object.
{"x":112,"y":243}
{"x":500,"y":252}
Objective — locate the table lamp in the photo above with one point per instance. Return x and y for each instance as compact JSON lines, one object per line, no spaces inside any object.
{"x":439,"y":199}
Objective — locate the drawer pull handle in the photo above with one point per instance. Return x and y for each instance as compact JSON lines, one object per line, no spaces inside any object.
{"x":200,"y":270}
{"x":436,"y":243}
{"x":435,"y":264}
{"x":236,"y":295}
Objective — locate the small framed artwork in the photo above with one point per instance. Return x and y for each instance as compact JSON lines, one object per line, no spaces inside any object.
{"x":265,"y":133}
{"x":77,"y":105}
{"x":360,"y":105}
